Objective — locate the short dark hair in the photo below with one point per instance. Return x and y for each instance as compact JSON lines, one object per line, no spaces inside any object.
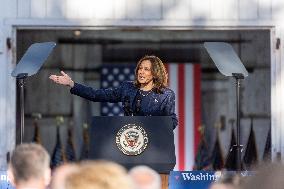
{"x":29,"y":161}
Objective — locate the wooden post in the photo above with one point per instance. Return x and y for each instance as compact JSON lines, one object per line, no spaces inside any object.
{"x":165,"y":181}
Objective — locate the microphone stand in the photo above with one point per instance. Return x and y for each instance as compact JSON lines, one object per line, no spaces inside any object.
{"x":126,"y":107}
{"x":138,"y":104}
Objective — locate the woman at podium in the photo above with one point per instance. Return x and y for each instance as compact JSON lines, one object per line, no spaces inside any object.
{"x":147,"y":95}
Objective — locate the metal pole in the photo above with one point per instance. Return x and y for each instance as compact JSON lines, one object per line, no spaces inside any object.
{"x":22,"y":107}
{"x":238,"y":76}
{"x":21,"y":78}
{"x":238,"y":126}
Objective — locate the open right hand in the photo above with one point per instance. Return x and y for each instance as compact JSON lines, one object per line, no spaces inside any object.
{"x":63,"y":79}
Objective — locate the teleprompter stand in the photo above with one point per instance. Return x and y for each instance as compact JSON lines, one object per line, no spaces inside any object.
{"x":229,"y":64}
{"x":29,"y":65}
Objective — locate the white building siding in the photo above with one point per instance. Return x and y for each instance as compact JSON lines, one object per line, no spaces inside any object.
{"x":38,"y":9}
{"x":277,"y":9}
{"x":265,"y":9}
{"x":8,"y":9}
{"x":152,"y":9}
{"x":201,"y":10}
{"x":120,"y":9}
{"x":24,"y":9}
{"x":56,"y":9}
{"x":248,"y":10}
{"x":147,"y":9}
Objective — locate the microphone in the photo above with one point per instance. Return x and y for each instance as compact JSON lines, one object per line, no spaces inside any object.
{"x":126,"y":106}
{"x":138,"y":104}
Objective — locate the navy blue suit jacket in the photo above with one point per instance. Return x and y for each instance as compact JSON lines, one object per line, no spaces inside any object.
{"x":159,"y":105}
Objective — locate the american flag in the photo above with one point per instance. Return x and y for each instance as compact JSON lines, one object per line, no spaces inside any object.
{"x":36,"y":137}
{"x":58,"y":155}
{"x":184,"y":80}
{"x":111,"y":76}
{"x":70,"y":148}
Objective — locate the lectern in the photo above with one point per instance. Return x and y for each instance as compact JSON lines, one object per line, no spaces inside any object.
{"x":134,"y":140}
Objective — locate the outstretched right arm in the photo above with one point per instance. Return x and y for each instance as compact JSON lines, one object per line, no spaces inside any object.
{"x":97,"y":95}
{"x":63,"y":79}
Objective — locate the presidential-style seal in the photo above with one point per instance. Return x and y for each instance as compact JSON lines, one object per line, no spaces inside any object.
{"x":131,"y":140}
